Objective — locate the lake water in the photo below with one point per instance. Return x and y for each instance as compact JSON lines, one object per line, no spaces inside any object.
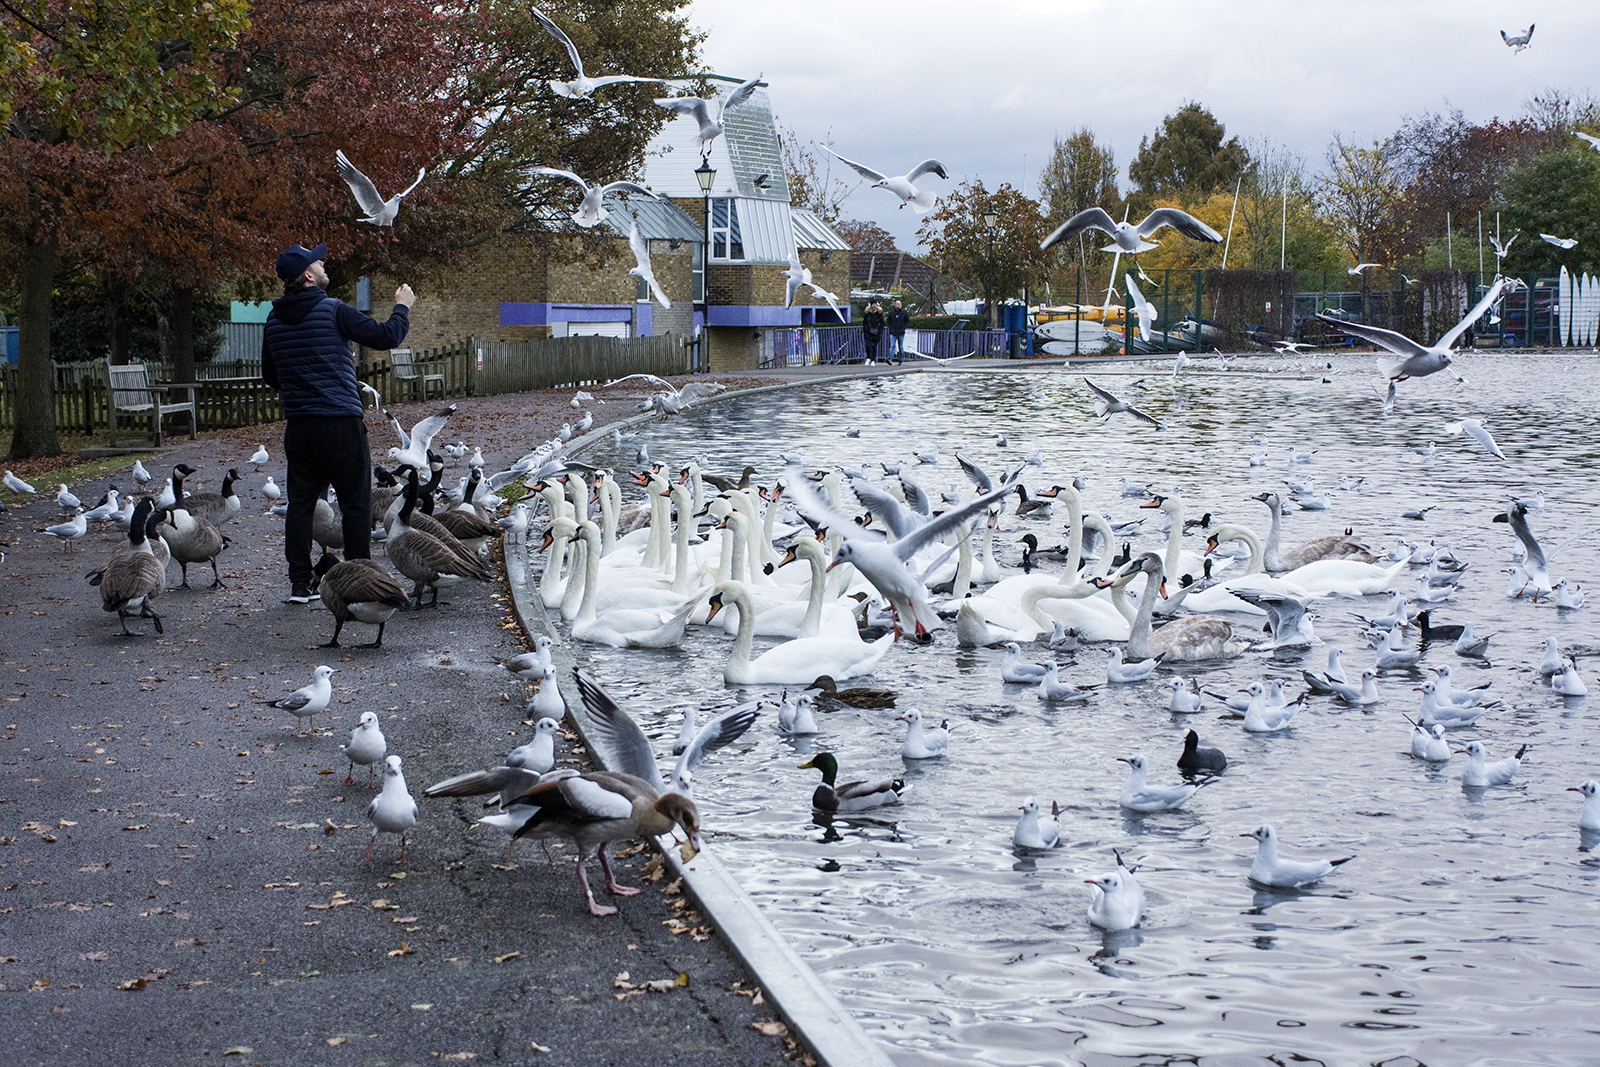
{"x":1464,"y":931}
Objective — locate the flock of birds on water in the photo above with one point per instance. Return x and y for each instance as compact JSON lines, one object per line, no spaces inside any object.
{"x":876,"y":551}
{"x":881,"y":560}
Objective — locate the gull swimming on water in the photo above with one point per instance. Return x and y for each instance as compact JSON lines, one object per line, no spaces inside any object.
{"x":380,"y":212}
{"x":1035,"y":831}
{"x":1130,"y":237}
{"x":903,"y":186}
{"x":1270,"y":869}
{"x":1118,"y":902}
{"x":1410,"y":359}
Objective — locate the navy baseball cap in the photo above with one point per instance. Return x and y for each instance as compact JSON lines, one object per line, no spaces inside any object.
{"x":296,"y":258}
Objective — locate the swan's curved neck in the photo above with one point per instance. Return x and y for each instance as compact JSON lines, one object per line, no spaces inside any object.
{"x":734,"y":593}
{"x":1228,"y":532}
{"x":1139,"y":627}
{"x":811,"y":552}
{"x":591,"y":570}
{"x":1269,"y":556}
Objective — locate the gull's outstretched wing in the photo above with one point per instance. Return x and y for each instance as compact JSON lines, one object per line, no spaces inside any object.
{"x":976,"y":473}
{"x":426,"y":429}
{"x":367,"y":196}
{"x":1398,"y":343}
{"x":738,"y":96}
{"x":940,"y":525}
{"x":555,"y":31}
{"x":723,"y":730}
{"x":1109,"y":398}
{"x":899,"y":521}
{"x":626,"y":187}
{"x":422,"y":172}
{"x":1088,"y":219}
{"x":651,"y":378}
{"x":613,"y":730}
{"x":700,"y":390}
{"x":687,"y":105}
{"x":641,"y":254}
{"x":832,"y":300}
{"x":1181,"y":221}
{"x":557,"y":172}
{"x":927,"y":166}
{"x":866,"y":172}
{"x":1476,"y":313}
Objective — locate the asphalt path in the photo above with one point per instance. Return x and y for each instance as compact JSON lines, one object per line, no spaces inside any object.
{"x":182,"y":877}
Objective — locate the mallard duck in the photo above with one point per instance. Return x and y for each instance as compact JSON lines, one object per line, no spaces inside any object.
{"x":852,"y":796}
{"x":860,"y":697}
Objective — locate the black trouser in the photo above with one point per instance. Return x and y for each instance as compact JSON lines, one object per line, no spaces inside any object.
{"x":325,"y":450}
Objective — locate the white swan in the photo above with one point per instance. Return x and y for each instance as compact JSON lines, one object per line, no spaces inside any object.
{"x":1322,"y":577}
{"x":810,"y":617}
{"x":1191,"y":638}
{"x":622,"y":627}
{"x":795,"y":662}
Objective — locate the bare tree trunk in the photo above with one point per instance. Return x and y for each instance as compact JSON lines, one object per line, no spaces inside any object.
{"x":182,"y":333}
{"x":119,"y":320}
{"x":35,"y":433}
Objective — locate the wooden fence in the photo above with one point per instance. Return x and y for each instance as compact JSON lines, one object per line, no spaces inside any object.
{"x":230,"y":394}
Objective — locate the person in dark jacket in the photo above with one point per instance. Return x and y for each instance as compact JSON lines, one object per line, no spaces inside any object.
{"x":899,"y":319}
{"x":305,"y":353}
{"x":872,"y":329}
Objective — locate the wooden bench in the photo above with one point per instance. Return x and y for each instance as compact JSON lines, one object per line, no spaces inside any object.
{"x":409,"y":369}
{"x":132,"y":394}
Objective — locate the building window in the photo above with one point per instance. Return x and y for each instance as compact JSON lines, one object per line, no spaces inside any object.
{"x":697,"y":265}
{"x":725,"y":240}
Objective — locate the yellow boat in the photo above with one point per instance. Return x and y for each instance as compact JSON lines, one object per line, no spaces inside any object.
{"x":1083,"y":312}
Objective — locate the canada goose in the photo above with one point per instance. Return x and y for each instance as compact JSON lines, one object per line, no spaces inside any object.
{"x":423,"y":558}
{"x":384,"y":492}
{"x":357,"y":590}
{"x":216,"y":508}
{"x":468,"y":527}
{"x":128,"y":583}
{"x":173,"y":491}
{"x":194,"y":540}
{"x":154,"y":523}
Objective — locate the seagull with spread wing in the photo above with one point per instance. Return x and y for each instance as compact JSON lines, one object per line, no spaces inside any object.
{"x":413,"y":450}
{"x":672,"y":400}
{"x":380,"y":212}
{"x":590,"y":212}
{"x":799,"y":274}
{"x":884,"y":564}
{"x":700,"y":110}
{"x":1410,"y":359}
{"x":1502,"y":250}
{"x":903,"y":186}
{"x":641,"y":255}
{"x":583,"y":85}
{"x":1142,"y":307}
{"x":1518,"y":43}
{"x":1108,"y":404}
{"x":1594,"y":142}
{"x":1559,"y":242}
{"x":1131,"y":237}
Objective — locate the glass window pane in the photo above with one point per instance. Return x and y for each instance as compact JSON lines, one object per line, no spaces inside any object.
{"x":735,"y":244}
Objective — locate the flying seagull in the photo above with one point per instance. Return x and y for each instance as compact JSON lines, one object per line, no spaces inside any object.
{"x":1126,"y":236}
{"x":590,"y":212}
{"x":1145,"y":310}
{"x":1502,"y":250}
{"x":799,"y":274}
{"x":1594,"y":142}
{"x":904,"y":186}
{"x":582,"y":85}
{"x":700,"y":110}
{"x":1108,"y":404}
{"x":1517,"y":44}
{"x":1474,"y":429}
{"x":1560,"y":242}
{"x":1359,"y":267}
{"x":641,"y":254}
{"x":1410,"y":359}
{"x":380,"y":212}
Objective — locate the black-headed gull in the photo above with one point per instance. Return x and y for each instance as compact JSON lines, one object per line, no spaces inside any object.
{"x":1107,"y":404}
{"x":1410,"y":359}
{"x":590,"y":210}
{"x":1589,"y":818}
{"x":923,"y":742}
{"x":1271,"y":869}
{"x":258,"y":459}
{"x":1481,"y":773}
{"x":1559,"y":242}
{"x":1142,"y":307}
{"x":309,"y":700}
{"x":1594,"y":142}
{"x":1359,"y":268}
{"x":903,"y":186}
{"x":700,"y":110}
{"x":1129,"y":237}
{"x":17,"y":485}
{"x":1038,"y":832}
{"x":799,"y":274}
{"x":392,"y":811}
{"x":1118,"y":902}
{"x":582,"y":85}
{"x":1519,"y":42}
{"x":1474,"y":429}
{"x":71,"y":530}
{"x":366,"y":746}
{"x":413,"y":448}
{"x":380,"y":212}
{"x":641,"y":268}
{"x":1138,"y":795}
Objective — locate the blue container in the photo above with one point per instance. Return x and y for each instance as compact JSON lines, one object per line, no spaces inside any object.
{"x":11,"y":339}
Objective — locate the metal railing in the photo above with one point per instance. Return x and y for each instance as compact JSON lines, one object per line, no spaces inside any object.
{"x":811,"y":346}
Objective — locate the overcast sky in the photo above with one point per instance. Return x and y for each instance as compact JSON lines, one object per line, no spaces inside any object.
{"x":985,"y":87}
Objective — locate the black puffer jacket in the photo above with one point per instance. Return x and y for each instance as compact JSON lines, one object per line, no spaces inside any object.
{"x":305,"y":351}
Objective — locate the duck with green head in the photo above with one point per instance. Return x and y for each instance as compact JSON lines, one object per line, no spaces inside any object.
{"x":851,"y":796}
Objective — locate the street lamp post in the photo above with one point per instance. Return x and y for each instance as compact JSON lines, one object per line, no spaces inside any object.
{"x":705,"y":174}
{"x":991,"y":219}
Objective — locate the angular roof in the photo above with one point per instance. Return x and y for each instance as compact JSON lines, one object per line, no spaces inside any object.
{"x":887,"y":269}
{"x":659,"y":220}
{"x":811,"y":232}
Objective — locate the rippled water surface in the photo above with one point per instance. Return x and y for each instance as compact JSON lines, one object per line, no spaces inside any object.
{"x":1466,"y":928}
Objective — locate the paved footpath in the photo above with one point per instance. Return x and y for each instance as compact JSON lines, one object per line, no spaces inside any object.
{"x":181,"y":875}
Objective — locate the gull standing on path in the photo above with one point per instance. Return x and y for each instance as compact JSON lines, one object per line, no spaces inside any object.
{"x":641,"y":268}
{"x":142,"y":476}
{"x":258,"y":459}
{"x":1128,"y":237}
{"x":307,"y":701}
{"x":366,"y":746}
{"x":17,"y":485}
{"x":904,"y":186}
{"x":380,"y":212}
{"x":1270,"y":869}
{"x":65,"y":498}
{"x":700,"y":110}
{"x":590,"y":211}
{"x":71,"y":530}
{"x":582,"y":85}
{"x":392,"y":811}
{"x":1410,"y":359}
{"x":270,"y":489}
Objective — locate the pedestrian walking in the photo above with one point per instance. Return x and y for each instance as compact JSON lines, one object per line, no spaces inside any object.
{"x":872,"y":329}
{"x":899,"y":319}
